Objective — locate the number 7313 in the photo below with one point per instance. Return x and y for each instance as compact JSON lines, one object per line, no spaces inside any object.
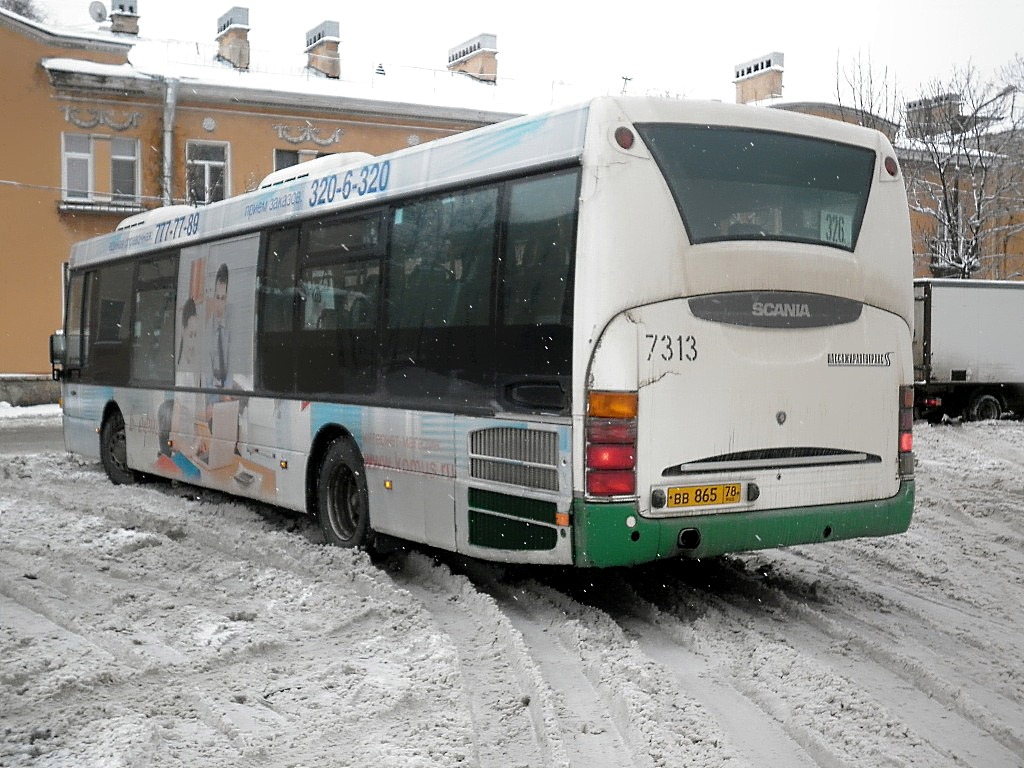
{"x":670,"y":348}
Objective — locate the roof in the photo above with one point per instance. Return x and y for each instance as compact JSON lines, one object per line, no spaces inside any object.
{"x":276,"y":78}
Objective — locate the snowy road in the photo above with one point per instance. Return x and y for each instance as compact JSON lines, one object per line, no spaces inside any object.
{"x":163,"y":625}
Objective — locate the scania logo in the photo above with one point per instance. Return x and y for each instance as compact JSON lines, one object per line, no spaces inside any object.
{"x":772,"y":309}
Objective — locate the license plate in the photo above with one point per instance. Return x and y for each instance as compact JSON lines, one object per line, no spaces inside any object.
{"x":705,"y":495}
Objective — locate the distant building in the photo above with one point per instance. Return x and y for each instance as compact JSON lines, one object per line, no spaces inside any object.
{"x":760,"y":82}
{"x":104,"y":124}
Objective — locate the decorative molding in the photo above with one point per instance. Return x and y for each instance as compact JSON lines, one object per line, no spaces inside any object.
{"x":412,"y":140}
{"x":209,"y":124}
{"x":76,"y":116}
{"x":306,"y":133}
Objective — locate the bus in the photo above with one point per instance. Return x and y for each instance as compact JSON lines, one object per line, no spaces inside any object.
{"x":608,"y":334}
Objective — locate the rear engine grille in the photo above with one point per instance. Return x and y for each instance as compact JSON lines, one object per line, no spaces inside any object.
{"x":524,"y":457}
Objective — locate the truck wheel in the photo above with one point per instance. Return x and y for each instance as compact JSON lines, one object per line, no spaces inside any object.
{"x":984,"y":407}
{"x":114,"y":451}
{"x":343,"y":502}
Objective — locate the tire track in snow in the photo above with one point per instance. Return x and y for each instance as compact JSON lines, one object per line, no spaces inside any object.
{"x":512,"y":707}
{"x":289,"y":647}
{"x":894,"y":653}
{"x":616,"y":683}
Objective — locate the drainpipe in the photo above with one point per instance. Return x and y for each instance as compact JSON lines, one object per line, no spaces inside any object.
{"x":170,"y":102}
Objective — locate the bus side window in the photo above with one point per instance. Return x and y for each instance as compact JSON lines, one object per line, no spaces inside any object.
{"x":536,"y":282}
{"x":109,"y":324}
{"x":277,"y":304}
{"x":153,"y":323}
{"x":74,"y":357}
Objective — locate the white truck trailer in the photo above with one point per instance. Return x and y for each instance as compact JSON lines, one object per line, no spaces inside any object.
{"x":968,"y":348}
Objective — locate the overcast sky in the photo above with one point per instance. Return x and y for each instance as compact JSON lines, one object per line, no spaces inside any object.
{"x":690,"y":50}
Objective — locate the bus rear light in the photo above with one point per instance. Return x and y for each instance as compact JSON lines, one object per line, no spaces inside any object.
{"x":611,"y":428}
{"x":611,"y":431}
{"x":611,"y":456}
{"x":624,"y":137}
{"x":613,"y":483}
{"x":612,"y":405}
{"x":906,"y":432}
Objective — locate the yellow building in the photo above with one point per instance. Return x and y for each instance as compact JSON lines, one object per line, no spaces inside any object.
{"x":90,"y":136}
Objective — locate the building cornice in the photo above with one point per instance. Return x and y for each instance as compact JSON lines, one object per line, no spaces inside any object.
{"x":123,"y":80}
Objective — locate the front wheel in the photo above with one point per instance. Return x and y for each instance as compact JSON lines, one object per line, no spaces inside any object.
{"x":985,"y":407}
{"x":342,"y":498}
{"x":114,"y":451}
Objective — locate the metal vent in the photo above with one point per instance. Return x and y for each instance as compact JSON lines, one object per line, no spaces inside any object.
{"x":524,"y":457}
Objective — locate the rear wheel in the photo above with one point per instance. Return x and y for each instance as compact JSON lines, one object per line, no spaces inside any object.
{"x":984,"y":407}
{"x":342,"y":498}
{"x":114,"y":450}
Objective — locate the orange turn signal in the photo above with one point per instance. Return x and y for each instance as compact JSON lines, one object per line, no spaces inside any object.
{"x":612,"y":405}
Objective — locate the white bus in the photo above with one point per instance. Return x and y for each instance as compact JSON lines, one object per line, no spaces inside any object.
{"x":623,"y":331}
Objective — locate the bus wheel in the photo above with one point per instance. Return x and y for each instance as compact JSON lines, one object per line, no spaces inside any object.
{"x":114,"y":451}
{"x":343,"y":506}
{"x":984,"y":407}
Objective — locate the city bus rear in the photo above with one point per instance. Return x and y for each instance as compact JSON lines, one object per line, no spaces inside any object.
{"x":768,"y":402}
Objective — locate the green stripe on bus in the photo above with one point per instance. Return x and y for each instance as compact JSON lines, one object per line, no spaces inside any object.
{"x":603,"y":537}
{"x":504,"y":533}
{"x":514,"y":506}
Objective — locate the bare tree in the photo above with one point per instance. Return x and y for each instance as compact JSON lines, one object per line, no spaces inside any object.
{"x":868,"y":97}
{"x":27,"y":8}
{"x":964,"y":169}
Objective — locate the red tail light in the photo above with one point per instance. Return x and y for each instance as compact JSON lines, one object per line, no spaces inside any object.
{"x":602,"y":456}
{"x":611,"y":444}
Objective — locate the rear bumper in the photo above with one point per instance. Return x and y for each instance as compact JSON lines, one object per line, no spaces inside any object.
{"x":614,"y":534}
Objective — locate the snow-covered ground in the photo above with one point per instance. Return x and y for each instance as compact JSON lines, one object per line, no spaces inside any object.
{"x":162,"y":625}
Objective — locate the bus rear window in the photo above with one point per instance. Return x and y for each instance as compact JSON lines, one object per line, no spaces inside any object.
{"x":743,"y":184}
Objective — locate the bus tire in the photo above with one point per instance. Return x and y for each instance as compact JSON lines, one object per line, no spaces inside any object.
{"x":342,"y":499}
{"x":984,"y":406}
{"x":114,"y":450}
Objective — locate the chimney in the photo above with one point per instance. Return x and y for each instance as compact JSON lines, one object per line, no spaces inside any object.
{"x":233,"y":38}
{"x":124,"y":17}
{"x":759,"y":78}
{"x":476,"y":58}
{"x":322,"y":49}
{"x":932,"y":115}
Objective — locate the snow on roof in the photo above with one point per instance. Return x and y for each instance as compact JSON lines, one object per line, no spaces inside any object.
{"x":287,"y":74}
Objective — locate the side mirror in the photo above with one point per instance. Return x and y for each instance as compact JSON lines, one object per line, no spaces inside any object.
{"x":58,"y":351}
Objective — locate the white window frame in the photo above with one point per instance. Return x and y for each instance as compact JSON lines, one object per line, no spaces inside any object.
{"x":92,"y":195}
{"x":67,"y":155}
{"x":136,"y":168}
{"x":207,"y":165}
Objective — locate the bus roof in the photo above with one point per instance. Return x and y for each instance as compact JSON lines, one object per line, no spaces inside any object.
{"x":354,"y":179}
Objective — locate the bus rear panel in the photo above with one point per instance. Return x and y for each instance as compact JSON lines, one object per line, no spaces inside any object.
{"x":759,"y":395}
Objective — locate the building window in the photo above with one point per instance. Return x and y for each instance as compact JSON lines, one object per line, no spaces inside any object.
{"x":124,"y":166}
{"x":207,"y":171}
{"x":86,"y":159}
{"x":285,"y":158}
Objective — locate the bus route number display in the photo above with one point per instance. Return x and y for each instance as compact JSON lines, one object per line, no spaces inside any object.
{"x":836,"y":228}
{"x":371,"y":179}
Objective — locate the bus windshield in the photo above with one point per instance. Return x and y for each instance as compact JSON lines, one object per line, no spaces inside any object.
{"x":742,"y":184}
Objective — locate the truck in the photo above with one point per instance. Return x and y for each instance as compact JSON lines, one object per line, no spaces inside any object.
{"x":968,"y":349}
